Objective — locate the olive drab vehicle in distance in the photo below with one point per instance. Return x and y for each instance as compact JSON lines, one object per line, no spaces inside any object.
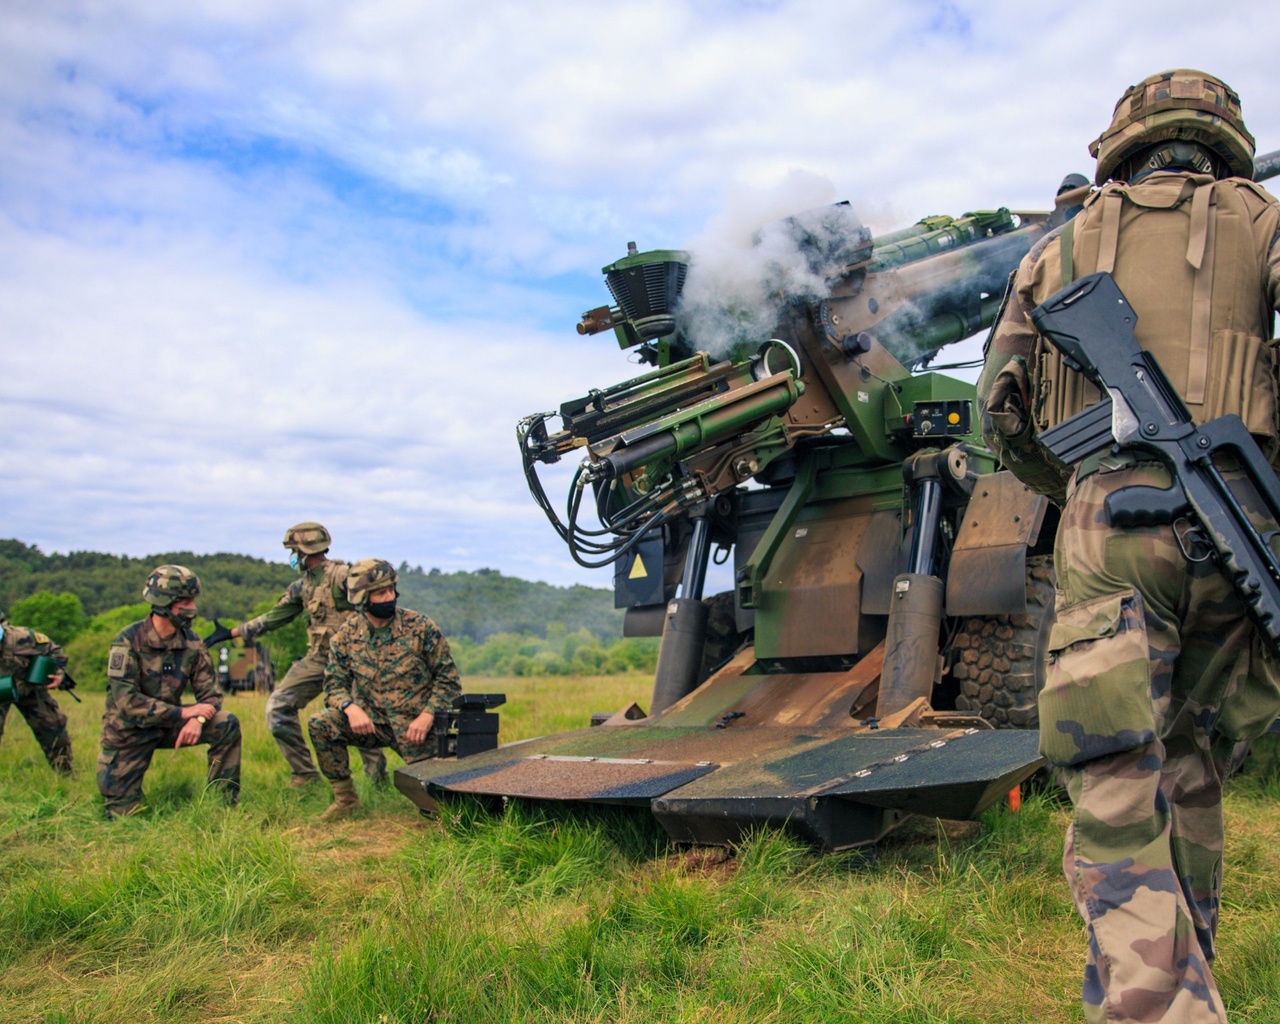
{"x":881,"y":650}
{"x":253,"y":671}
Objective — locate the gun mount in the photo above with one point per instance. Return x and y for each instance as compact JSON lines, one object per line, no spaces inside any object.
{"x":880,"y":652}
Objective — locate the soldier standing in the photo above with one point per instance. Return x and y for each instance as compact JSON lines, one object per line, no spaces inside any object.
{"x":18,"y":648}
{"x":150,"y":664}
{"x":1154,"y":670}
{"x":390,"y":672}
{"x":320,"y":591}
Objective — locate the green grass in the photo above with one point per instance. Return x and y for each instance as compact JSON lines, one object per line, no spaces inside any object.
{"x":192,"y":912}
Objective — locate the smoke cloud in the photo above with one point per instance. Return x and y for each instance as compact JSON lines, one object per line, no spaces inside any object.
{"x":758,"y":254}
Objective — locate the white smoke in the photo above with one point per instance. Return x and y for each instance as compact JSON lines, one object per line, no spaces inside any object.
{"x":758,"y":253}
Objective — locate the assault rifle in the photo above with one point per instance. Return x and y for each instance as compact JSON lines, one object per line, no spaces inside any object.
{"x":1092,"y":324}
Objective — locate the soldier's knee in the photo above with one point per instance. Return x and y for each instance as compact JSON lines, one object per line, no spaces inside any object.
{"x":227,"y":726}
{"x":323,"y":727}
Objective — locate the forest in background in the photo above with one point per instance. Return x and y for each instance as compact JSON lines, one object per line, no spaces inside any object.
{"x":496,"y":624}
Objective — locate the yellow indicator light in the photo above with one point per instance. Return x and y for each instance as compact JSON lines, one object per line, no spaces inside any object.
{"x":953,"y":418}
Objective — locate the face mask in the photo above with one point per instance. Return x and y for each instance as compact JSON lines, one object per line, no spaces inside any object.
{"x":180,"y":616}
{"x":382,"y":609}
{"x":294,"y":562}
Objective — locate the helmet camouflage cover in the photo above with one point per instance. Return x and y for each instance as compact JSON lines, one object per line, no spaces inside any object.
{"x":307,"y":538}
{"x":368,"y":576}
{"x":1182,"y":105}
{"x":169,"y":583}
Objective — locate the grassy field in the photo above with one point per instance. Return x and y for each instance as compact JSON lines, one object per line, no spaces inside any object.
{"x":192,"y":912}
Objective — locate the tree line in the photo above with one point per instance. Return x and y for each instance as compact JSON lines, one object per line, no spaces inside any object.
{"x":498,"y":625}
{"x":475,"y":605}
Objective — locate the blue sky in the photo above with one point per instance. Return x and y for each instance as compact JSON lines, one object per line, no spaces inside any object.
{"x":266,"y":262}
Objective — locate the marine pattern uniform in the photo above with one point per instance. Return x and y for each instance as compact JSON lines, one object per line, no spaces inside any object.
{"x":320,"y":592}
{"x":393,"y":674}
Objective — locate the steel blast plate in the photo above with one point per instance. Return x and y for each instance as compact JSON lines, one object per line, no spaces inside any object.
{"x":847,"y":790}
{"x":835,"y":787}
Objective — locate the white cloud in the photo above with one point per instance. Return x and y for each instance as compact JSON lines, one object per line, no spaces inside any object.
{"x":266,"y":262}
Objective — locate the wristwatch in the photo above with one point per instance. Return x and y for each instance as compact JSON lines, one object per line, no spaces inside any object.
{"x":202,"y":720}
{"x":345,"y":704}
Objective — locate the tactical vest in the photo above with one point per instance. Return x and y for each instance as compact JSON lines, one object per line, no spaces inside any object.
{"x":1190,"y":254}
{"x":322,"y":610}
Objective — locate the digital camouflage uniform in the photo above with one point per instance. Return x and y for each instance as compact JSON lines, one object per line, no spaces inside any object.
{"x":320,"y":592}
{"x":1154,"y":670}
{"x":146,"y":677}
{"x":393,"y":674}
{"x":17,"y":649}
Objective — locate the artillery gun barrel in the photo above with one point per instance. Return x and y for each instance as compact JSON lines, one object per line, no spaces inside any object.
{"x":951,"y":295}
{"x":935,"y":235}
{"x":1266,"y":166}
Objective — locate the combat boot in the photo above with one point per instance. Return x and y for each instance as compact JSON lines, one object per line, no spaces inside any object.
{"x":344,"y":803}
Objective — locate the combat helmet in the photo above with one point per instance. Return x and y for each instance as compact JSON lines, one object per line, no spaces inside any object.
{"x":307,"y":538}
{"x":169,"y":583}
{"x":368,"y":576}
{"x":1180,"y":106}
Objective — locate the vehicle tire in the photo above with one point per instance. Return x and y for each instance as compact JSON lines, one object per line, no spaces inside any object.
{"x":999,"y":660}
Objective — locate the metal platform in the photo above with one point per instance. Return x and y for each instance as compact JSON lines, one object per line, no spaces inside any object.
{"x":837,"y":787}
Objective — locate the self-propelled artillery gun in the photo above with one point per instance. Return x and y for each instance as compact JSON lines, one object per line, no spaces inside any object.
{"x":881,"y":649}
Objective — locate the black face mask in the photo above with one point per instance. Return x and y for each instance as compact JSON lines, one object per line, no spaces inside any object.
{"x":382,"y":609}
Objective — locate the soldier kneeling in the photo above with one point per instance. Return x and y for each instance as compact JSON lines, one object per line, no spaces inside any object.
{"x":150,"y":664}
{"x":389,"y":673}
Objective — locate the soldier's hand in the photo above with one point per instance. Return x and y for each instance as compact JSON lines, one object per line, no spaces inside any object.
{"x":55,"y":680}
{"x":193,"y":710}
{"x":189,"y":733}
{"x":219,"y":635}
{"x":361,"y":724}
{"x":420,"y":726}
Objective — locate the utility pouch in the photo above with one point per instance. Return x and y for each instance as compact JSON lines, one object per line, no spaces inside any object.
{"x":1096,"y":699}
{"x":1242,"y":380}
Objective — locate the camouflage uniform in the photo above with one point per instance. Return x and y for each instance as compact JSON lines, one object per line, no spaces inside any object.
{"x":18,"y":647}
{"x":320,"y":592}
{"x":393,"y":674}
{"x":146,"y":677}
{"x":1154,"y":670}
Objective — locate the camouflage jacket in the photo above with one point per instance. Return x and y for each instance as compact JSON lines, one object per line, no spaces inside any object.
{"x":17,"y":649}
{"x":393,"y":673}
{"x":146,"y":677}
{"x":321,"y":592}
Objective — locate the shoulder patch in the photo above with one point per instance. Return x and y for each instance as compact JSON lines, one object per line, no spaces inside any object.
{"x":40,"y":637}
{"x":117,"y":660}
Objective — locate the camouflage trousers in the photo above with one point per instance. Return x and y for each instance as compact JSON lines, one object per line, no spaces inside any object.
{"x":299,"y":687}
{"x":1153,"y":671}
{"x":122,"y":767}
{"x":48,"y":723}
{"x":331,"y":735}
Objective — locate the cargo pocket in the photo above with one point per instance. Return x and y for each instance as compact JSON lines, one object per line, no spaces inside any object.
{"x":1096,"y":699}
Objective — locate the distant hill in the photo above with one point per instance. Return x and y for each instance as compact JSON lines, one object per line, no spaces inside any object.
{"x":471,"y":604}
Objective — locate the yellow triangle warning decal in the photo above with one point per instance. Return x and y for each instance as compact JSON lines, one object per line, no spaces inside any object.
{"x":638,"y":571}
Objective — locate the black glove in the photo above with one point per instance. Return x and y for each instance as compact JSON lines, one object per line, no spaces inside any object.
{"x":219,"y":635}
